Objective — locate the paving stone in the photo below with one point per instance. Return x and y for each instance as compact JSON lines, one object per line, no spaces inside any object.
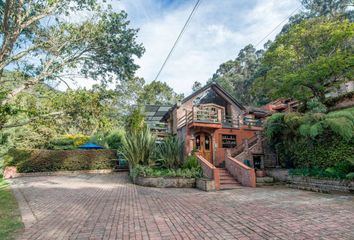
{"x":110,"y":207}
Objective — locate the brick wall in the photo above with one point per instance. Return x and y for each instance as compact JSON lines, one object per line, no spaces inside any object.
{"x":244,"y":174}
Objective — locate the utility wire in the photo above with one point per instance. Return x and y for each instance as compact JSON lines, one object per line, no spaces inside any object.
{"x":179,"y":37}
{"x":277,"y":26}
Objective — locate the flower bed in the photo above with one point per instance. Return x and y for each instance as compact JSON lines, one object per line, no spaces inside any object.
{"x":163,"y":178}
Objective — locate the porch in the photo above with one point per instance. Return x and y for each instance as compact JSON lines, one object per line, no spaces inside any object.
{"x":213,"y":117}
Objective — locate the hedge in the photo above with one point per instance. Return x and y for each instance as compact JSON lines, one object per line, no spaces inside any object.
{"x":38,"y":160}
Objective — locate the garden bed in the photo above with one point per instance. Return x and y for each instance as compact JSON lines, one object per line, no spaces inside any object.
{"x":165,"y":182}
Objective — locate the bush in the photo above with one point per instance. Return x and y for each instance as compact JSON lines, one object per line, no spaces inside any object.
{"x":191,"y":162}
{"x":169,"y":153}
{"x":146,"y":171}
{"x":138,"y":147}
{"x":54,"y":160}
{"x":115,"y":139}
{"x":67,"y":142}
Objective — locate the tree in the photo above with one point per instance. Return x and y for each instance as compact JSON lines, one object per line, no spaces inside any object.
{"x":236,"y":76}
{"x":158,"y":93}
{"x":312,"y":58}
{"x":196,"y":86}
{"x":319,"y":8}
{"x":40,"y":44}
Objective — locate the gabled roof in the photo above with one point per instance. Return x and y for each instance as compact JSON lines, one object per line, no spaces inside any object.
{"x":210,"y":85}
{"x":218,"y":87}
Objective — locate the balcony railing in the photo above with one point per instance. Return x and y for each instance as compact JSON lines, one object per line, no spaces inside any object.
{"x":215,"y":117}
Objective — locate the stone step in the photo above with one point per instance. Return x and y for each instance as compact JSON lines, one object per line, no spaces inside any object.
{"x":229,"y":186}
{"x":233,"y":181}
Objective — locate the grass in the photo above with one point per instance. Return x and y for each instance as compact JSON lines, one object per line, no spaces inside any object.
{"x":10,"y":218}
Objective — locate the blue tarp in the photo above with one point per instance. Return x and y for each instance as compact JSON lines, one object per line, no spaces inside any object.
{"x":91,"y":146}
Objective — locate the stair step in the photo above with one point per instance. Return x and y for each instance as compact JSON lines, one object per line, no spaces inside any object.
{"x":229,"y":186}
{"x":229,"y":182}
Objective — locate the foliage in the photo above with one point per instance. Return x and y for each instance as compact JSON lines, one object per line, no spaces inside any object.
{"x":146,"y":171}
{"x":169,"y":152}
{"x":313,"y":140}
{"x":135,"y":120}
{"x":95,"y":47}
{"x":237,"y":76}
{"x":191,"y":162}
{"x":313,"y":57}
{"x":196,"y":86}
{"x":114,"y":140}
{"x":56,"y":160}
{"x":158,"y":93}
{"x":138,"y":147}
{"x":10,"y":220}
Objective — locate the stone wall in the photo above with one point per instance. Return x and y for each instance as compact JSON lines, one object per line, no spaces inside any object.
{"x":278,"y":174}
{"x":164,"y":182}
{"x":205,"y":184}
{"x":320,"y":185}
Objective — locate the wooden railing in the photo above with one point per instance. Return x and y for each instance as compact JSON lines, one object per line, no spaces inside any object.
{"x":244,"y":174}
{"x":209,"y":171}
{"x":231,"y":122}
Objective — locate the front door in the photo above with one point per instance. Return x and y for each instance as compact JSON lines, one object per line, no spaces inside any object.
{"x":203,"y":146}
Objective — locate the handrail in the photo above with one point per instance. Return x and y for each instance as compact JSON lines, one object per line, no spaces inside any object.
{"x":209,"y":171}
{"x":244,"y":174}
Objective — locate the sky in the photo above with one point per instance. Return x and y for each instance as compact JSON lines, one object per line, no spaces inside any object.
{"x":216,"y":33}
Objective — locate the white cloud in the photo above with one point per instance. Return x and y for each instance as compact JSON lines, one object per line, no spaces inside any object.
{"x":218,"y":30}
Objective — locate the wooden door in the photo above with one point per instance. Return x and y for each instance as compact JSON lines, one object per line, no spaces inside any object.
{"x":203,"y":144}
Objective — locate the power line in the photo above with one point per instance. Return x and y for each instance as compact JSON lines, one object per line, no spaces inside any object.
{"x":277,"y":26}
{"x":179,"y":37}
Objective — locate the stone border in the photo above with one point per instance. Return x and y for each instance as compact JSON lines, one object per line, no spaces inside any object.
{"x":165,"y":182}
{"x":320,"y":185}
{"x":11,"y":172}
{"x":205,"y":184}
{"x":311,"y":183}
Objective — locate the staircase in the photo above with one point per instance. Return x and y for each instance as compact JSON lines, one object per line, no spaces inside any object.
{"x":227,"y":181}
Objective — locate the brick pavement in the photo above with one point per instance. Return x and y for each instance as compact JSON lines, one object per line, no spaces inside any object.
{"x":110,"y":207}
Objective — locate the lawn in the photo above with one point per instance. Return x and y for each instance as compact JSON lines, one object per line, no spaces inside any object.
{"x":10,"y":218}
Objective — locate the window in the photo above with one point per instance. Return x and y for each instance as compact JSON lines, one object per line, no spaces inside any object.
{"x":228,"y":141}
{"x":197,"y":142}
{"x":207,"y":143}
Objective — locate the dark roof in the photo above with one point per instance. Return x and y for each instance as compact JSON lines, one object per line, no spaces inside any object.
{"x":221,"y":89}
{"x":154,"y":113}
{"x":210,"y":85}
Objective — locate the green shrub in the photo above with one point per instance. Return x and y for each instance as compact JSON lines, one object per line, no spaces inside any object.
{"x":54,"y":160}
{"x":350,"y":176}
{"x":191,"y":162}
{"x":138,"y":147}
{"x":169,"y":153}
{"x":115,"y":139}
{"x":146,"y":171}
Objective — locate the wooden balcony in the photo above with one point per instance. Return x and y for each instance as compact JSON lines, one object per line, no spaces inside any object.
{"x":214,"y":119}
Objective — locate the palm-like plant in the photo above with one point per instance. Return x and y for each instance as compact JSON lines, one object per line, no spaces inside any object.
{"x":168,"y":153}
{"x":138,"y":146}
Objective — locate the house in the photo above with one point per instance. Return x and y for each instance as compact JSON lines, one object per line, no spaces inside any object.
{"x":218,"y":128}
{"x":210,"y":121}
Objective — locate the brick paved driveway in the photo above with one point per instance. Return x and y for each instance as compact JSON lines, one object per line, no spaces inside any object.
{"x":109,"y":207}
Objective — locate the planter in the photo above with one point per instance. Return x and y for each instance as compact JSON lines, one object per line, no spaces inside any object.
{"x":205,"y":184}
{"x":164,"y":182}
